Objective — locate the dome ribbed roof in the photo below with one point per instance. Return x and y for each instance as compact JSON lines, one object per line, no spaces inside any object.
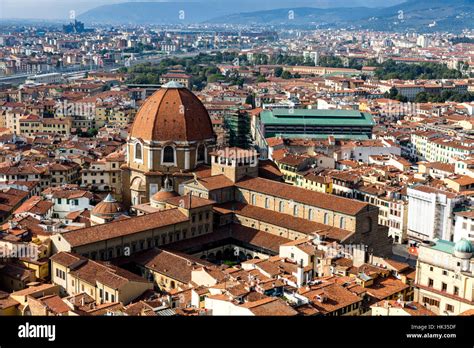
{"x":162,"y":196}
{"x":109,"y":206}
{"x":173,"y":113}
{"x":463,"y":246}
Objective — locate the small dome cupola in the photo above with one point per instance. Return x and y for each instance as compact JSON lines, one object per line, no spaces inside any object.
{"x":463,"y":249}
{"x":106,"y":211}
{"x":158,"y":200}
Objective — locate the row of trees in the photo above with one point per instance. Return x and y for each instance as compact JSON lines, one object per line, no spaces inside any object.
{"x":202,"y":68}
{"x":425,"y":71}
{"x":423,"y":97}
{"x":445,"y":96}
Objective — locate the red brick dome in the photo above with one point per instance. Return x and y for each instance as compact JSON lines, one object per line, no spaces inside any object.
{"x":108,"y":207}
{"x":173,"y":113}
{"x":162,"y":196}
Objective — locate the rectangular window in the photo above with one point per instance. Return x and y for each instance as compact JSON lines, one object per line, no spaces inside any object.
{"x":430,"y":301}
{"x":430,"y":282}
{"x":444,"y":287}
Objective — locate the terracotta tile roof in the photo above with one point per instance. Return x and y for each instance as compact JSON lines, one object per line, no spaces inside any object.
{"x":189,"y":201}
{"x":139,"y":308}
{"x":170,"y":263}
{"x":237,"y":232}
{"x":396,"y":265}
{"x":71,"y":194}
{"x":6,"y":301}
{"x":283,"y":220}
{"x":333,"y":297}
{"x":66,"y":259}
{"x":269,"y":170}
{"x":216,"y":182}
{"x":35,"y":205}
{"x":300,"y":195}
{"x":270,"y":306}
{"x":124,"y":227}
{"x":385,"y":287}
{"x":55,"y":304}
{"x":467,"y":312}
{"x":172,"y":114}
{"x":34,"y":290}
{"x":429,"y":189}
{"x":411,"y":308}
{"x":93,"y":272}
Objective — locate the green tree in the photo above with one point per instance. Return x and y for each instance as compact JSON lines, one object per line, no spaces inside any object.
{"x":278,"y":71}
{"x":286,"y":75}
{"x":250,"y":100}
{"x":215,"y":78}
{"x":393,"y":93}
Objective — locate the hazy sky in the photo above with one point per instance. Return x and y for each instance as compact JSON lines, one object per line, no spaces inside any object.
{"x":60,"y":9}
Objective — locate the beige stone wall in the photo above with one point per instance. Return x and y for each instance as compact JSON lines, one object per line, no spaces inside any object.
{"x":464,"y":283}
{"x":136,"y":242}
{"x":295,"y":254}
{"x":165,"y":283}
{"x":351,"y":223}
{"x":267,"y":227}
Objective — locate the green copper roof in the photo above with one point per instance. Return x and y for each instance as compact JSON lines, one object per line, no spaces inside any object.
{"x":314,"y":117}
{"x":322,"y":136}
{"x":444,"y":246}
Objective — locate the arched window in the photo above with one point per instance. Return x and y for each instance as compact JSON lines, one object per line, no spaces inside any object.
{"x":326,"y":218}
{"x":342,"y":223}
{"x":138,"y":151}
{"x":310,"y":214}
{"x":281,"y":206}
{"x":254,"y":201}
{"x":168,"y":154}
{"x":201,"y":153}
{"x":295,"y":210}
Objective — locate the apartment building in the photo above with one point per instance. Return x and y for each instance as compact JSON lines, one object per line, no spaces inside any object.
{"x":105,"y":283}
{"x":433,"y":147}
{"x":104,"y":174}
{"x":431,"y":213}
{"x":464,"y":226}
{"x":31,"y":125}
{"x":445,"y":277}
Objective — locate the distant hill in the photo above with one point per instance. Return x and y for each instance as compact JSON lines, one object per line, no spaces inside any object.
{"x":298,"y":16}
{"x":195,"y":11}
{"x":416,"y":14}
{"x":419,"y":14}
{"x":151,"y":13}
{"x":413,"y":14}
